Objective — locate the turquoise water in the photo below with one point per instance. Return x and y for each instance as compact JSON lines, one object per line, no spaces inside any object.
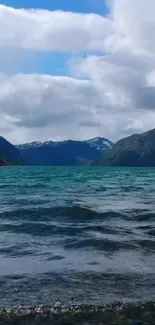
{"x":72,"y":235}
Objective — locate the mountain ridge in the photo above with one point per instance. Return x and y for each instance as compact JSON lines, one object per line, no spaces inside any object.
{"x":132,"y":151}
{"x":99,"y":143}
{"x":9,"y":154}
{"x":67,"y":152}
{"x":50,"y":153}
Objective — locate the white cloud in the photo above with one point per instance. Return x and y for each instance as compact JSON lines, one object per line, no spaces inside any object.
{"x":134,"y":22}
{"x":60,"y":104}
{"x":130,"y":27}
{"x":45,"y":107}
{"x":124,"y":79}
{"x":52,"y":30}
{"x":111,"y":95}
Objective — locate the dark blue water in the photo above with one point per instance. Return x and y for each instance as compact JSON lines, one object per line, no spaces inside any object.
{"x":76,"y":236}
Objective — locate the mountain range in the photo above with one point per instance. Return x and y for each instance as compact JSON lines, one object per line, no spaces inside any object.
{"x":49,"y":153}
{"x":132,"y":151}
{"x":135,"y":150}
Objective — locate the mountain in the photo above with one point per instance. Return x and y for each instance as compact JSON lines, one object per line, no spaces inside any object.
{"x":135,"y":150}
{"x":34,"y":144}
{"x":49,"y":153}
{"x":47,"y":156}
{"x":81,"y":150}
{"x":9,"y":154}
{"x":100,"y":144}
{"x":59,"y":153}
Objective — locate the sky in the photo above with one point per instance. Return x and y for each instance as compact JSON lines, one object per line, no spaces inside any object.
{"x":76,"y":69}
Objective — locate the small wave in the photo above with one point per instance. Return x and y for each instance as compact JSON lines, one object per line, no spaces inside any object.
{"x":139,"y":215}
{"x":131,"y":188}
{"x":151,"y":232}
{"x":44,"y":229}
{"x":16,"y":251}
{"x":40,"y":229}
{"x":55,"y":258}
{"x":102,"y":229}
{"x":146,"y":216}
{"x":100,"y":189}
{"x":75,"y":213}
{"x":147,"y":229}
{"x":146,"y":244}
{"x":104,"y":244}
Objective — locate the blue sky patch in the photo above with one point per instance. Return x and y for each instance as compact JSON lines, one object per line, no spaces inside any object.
{"x":85,"y":6}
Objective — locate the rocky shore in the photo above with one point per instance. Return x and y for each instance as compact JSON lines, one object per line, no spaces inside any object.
{"x":117,"y":314}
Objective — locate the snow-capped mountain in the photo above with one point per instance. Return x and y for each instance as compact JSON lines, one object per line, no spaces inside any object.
{"x":34,"y":144}
{"x":101,"y":144}
{"x":68,"y":152}
{"x":98,"y":143}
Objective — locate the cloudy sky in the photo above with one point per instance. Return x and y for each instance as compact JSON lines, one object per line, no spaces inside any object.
{"x":76,"y":68}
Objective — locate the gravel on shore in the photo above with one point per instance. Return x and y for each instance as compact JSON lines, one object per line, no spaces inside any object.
{"x":116,"y":314}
